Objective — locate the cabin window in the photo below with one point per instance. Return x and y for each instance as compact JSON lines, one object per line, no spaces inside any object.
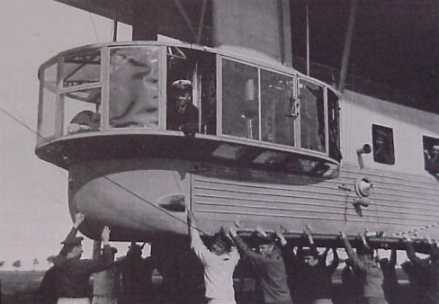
{"x":431,"y":154}
{"x":134,"y":87}
{"x":81,"y":111}
{"x":383,"y":150}
{"x":81,"y":69}
{"x":333,"y":126}
{"x":276,"y":99}
{"x":240,"y":100}
{"x":47,"y":124}
{"x":312,"y":116}
{"x":193,"y":73}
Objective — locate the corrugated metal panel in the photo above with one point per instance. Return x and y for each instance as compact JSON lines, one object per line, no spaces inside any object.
{"x":398,"y":201}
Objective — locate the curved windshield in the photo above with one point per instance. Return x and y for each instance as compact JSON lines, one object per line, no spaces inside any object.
{"x":191,"y":92}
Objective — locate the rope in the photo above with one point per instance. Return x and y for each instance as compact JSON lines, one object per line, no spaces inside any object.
{"x":18,"y":121}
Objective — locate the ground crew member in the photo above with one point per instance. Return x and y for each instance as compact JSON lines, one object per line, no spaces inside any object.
{"x":269,"y":268}
{"x":219,"y":262}
{"x":430,"y":268}
{"x":368,"y":271}
{"x":73,"y":273}
{"x":390,"y":284}
{"x":313,"y":284}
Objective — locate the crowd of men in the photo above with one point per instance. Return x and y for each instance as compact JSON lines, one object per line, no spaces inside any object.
{"x":284,"y":273}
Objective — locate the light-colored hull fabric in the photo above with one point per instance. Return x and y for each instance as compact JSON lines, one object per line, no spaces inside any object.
{"x":73,"y":301}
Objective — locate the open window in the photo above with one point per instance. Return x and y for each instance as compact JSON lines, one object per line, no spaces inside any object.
{"x":431,"y":154}
{"x":191,"y":90}
{"x":383,"y":149}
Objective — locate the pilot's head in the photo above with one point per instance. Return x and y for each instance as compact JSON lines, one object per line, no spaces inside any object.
{"x":183,"y":94}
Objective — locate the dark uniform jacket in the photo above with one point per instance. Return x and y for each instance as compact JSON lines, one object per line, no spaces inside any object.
{"x":270,"y":274}
{"x":73,"y":275}
{"x":431,"y":272}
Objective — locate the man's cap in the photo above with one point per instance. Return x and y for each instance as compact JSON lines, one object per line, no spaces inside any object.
{"x":182,"y":85}
{"x":77,"y":240}
{"x":309,"y":252}
{"x":262,"y":240}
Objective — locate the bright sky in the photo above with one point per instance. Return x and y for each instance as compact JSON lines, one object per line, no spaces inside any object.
{"x":34,"y":215}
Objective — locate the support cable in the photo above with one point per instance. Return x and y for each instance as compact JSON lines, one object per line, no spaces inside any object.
{"x":124,"y":188}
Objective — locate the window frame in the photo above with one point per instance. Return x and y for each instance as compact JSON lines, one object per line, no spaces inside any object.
{"x":383,"y":127}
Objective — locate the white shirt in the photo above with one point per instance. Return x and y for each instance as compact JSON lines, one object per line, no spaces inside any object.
{"x":218,"y":269}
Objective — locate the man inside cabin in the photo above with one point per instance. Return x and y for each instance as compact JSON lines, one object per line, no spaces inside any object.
{"x":182,"y":114}
{"x":219,"y":262}
{"x":313,"y":284}
{"x":368,"y":271}
{"x":72,"y":272}
{"x":430,"y":267}
{"x":268,"y":267}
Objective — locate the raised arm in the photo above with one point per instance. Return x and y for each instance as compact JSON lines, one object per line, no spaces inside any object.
{"x":323,"y":256}
{"x":78,"y":219}
{"x":411,"y":253}
{"x":393,"y":258}
{"x":335,"y":260}
{"x":197,"y":244}
{"x":287,"y":248}
{"x":102,"y":262}
{"x":243,"y":248}
{"x":356,"y":262}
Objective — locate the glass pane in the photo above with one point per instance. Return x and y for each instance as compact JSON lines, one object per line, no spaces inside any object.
{"x":48,"y":110}
{"x":81,"y":68}
{"x":48,"y":107}
{"x":276,"y":99}
{"x":134,"y":87}
{"x":240,"y":100}
{"x":312,"y":121}
{"x":333,"y":126}
{"x":81,"y":111}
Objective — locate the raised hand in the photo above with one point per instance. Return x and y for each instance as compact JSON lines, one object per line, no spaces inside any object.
{"x":105,"y":235}
{"x":281,"y":237}
{"x":232,"y":232}
{"x":261,"y":231}
{"x":308,"y":233}
{"x":79,"y":218}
